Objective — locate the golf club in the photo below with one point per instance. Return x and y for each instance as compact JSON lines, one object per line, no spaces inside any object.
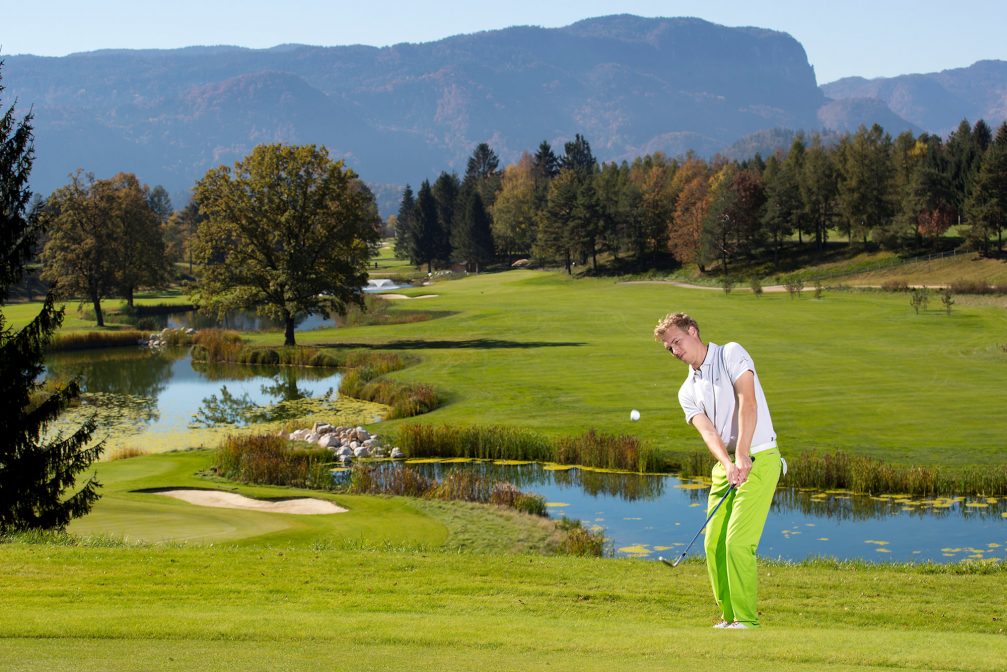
{"x":681,"y":557}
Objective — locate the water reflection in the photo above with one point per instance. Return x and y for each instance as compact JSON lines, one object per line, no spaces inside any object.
{"x":167,"y":392}
{"x":647,"y":515}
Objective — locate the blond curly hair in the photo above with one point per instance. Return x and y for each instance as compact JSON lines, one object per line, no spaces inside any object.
{"x":681,"y":320}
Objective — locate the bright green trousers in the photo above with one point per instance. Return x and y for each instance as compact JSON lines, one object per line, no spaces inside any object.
{"x":733,"y":534}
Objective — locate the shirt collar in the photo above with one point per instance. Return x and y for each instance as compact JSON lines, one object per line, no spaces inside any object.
{"x":707,"y":365}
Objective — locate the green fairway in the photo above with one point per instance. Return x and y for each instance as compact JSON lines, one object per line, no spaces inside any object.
{"x":295,"y":608}
{"x":857,"y":371}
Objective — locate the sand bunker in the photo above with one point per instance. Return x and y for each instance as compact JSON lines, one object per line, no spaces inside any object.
{"x":399,"y":297}
{"x":228,"y":500}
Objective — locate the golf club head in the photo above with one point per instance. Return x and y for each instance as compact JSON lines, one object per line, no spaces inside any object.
{"x":670,"y":563}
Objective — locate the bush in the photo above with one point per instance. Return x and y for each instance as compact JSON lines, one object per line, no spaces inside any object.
{"x":580,"y":540}
{"x":268,"y":459}
{"x":895,"y":286}
{"x":756,"y":286}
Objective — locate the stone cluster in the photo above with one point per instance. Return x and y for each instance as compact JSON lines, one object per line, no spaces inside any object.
{"x":159,"y":340}
{"x":346,"y":442}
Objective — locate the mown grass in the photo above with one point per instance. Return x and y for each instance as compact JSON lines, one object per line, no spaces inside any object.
{"x":294,"y":608}
{"x":854,"y":371}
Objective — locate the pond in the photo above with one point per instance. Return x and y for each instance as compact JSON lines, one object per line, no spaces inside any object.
{"x":649,"y":516}
{"x":164,"y":391}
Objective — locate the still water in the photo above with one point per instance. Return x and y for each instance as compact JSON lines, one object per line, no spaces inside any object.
{"x":167,"y":392}
{"x":650,"y":516}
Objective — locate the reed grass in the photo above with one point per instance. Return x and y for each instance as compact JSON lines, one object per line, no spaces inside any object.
{"x":216,"y":345}
{"x":838,"y":470}
{"x":457,"y":484}
{"x":475,"y":441}
{"x":126,"y":452}
{"x":591,"y":449}
{"x":268,"y":459}
{"x":87,"y":340}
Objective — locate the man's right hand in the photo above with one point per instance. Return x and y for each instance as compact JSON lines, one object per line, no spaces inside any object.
{"x":734,"y":475}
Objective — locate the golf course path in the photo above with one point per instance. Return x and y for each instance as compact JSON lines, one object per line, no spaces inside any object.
{"x":686,"y":285}
{"x":229,"y":500}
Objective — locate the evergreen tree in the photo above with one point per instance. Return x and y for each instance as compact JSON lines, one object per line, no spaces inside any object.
{"x":35,"y":470}
{"x":577,"y":155}
{"x":555,"y":239}
{"x":987,"y":204}
{"x":866,"y":193}
{"x":783,"y":202}
{"x":446,"y":190}
{"x":482,"y":172}
{"x":546,"y":164}
{"x":472,"y":238}
{"x":818,"y":185}
{"x":428,"y":236}
{"x":405,"y":227}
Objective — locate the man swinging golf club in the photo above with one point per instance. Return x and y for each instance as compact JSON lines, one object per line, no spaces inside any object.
{"x":723,"y":399}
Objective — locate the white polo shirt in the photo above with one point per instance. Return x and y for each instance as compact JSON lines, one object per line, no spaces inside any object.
{"x":710,"y":390}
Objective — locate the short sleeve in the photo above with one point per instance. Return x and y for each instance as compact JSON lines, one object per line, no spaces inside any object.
{"x":688,"y":402}
{"x":737,"y":361}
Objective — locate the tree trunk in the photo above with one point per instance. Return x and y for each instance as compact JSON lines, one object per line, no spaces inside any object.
{"x":129,"y":297}
{"x":288,"y":333}
{"x":96,"y":302}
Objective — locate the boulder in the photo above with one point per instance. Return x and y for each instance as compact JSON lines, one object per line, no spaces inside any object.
{"x":344,"y":452}
{"x":360,"y":451}
{"x":362,"y":434}
{"x":397,"y":454}
{"x":328,"y":441}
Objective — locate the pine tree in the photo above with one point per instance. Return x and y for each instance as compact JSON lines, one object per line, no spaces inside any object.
{"x":428,"y":231}
{"x":405,"y":226}
{"x":35,"y":471}
{"x":472,"y":238}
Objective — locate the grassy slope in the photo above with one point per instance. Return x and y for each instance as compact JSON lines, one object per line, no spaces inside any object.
{"x":279,"y":608}
{"x":126,"y":512}
{"x":856,"y":371}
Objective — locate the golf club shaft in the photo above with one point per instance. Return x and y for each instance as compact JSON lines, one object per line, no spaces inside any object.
{"x":705,"y":523}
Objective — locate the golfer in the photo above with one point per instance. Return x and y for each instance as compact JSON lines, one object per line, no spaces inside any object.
{"x":723,"y":400}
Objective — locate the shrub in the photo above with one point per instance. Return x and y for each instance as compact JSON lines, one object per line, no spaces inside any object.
{"x":756,"y":286}
{"x":895,"y":286}
{"x":947,"y":299}
{"x":972,"y":287}
{"x":728,"y":284}
{"x":794,"y":287}
{"x":580,"y":540}
{"x":269,"y":459}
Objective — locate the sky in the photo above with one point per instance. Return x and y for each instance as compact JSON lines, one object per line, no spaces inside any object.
{"x":867,"y":38}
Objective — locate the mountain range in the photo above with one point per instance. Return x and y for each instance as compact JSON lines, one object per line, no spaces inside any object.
{"x":403,"y":113}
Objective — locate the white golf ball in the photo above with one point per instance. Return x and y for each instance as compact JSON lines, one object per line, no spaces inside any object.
{"x":634,"y":415}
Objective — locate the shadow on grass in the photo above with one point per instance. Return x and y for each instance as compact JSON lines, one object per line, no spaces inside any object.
{"x":472,"y":343}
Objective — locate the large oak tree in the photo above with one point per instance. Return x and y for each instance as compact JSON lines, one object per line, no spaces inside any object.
{"x":288,"y":232}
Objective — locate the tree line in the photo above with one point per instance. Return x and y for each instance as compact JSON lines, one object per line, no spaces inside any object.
{"x":899,"y":193}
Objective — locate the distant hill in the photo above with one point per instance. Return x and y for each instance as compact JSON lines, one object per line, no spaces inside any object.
{"x":403,"y":113}
{"x":938,"y":101}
